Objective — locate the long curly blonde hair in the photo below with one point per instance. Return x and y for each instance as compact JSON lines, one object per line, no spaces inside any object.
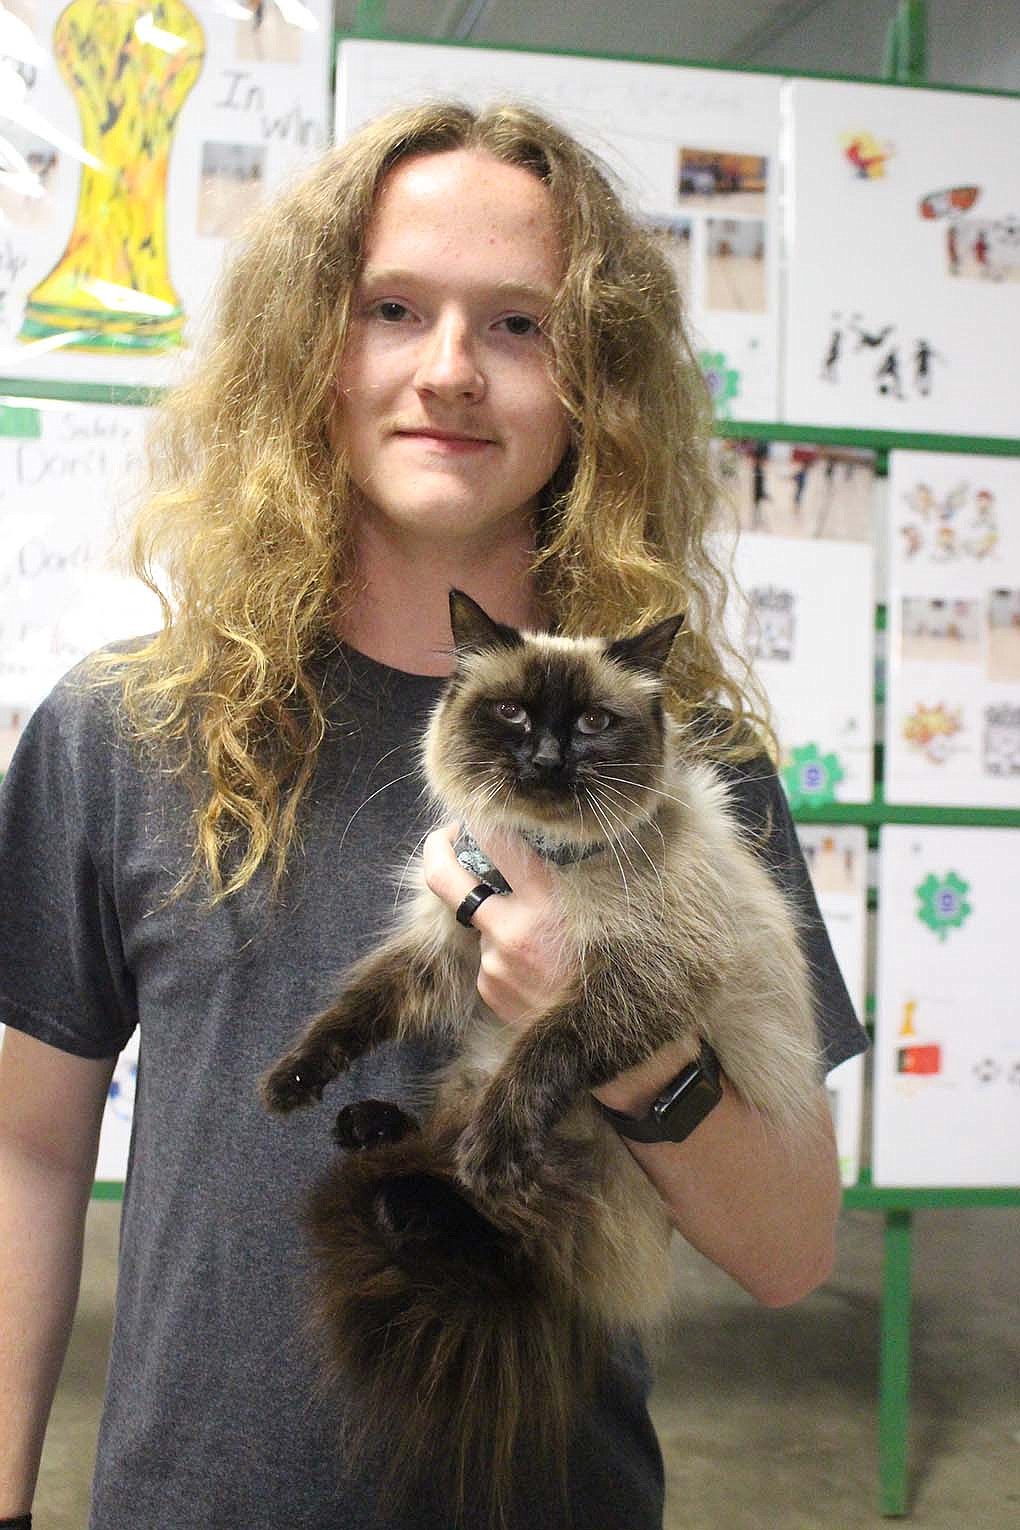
{"x":248,"y":523}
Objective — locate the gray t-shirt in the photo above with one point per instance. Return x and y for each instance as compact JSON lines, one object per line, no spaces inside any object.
{"x":211,"y":1417}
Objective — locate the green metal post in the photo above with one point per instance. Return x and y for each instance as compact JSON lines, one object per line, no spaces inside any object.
{"x":894,"y":1364}
{"x":906,"y":44}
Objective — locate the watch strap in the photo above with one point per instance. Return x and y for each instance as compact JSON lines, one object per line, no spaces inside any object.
{"x":681,"y":1106}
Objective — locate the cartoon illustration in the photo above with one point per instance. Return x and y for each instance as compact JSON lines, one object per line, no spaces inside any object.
{"x":929,"y":729}
{"x":130,"y":64}
{"x":866,"y":156}
{"x":888,"y":376}
{"x":939,"y":527}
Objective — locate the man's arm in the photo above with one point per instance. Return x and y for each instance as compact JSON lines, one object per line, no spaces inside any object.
{"x":51,"y":1109}
{"x":760,"y":1206}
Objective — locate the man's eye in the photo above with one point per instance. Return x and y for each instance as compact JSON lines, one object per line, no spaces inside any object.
{"x":595,"y":720}
{"x":520,"y":324}
{"x":390,"y":312}
{"x":511,"y":712}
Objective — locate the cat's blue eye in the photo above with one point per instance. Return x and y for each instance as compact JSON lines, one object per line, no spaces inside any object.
{"x":511,"y":712}
{"x":595,"y":720}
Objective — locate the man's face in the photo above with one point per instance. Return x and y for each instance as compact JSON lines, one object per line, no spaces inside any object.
{"x":447,"y":408}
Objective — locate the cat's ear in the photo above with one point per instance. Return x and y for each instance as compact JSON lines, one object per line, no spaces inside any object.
{"x":649,"y":649}
{"x":473,"y":629}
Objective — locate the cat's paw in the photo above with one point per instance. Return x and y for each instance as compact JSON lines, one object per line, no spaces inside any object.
{"x":493,"y":1164}
{"x":292,"y":1082}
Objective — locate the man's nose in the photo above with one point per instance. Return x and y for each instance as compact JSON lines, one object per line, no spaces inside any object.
{"x":448,"y":365}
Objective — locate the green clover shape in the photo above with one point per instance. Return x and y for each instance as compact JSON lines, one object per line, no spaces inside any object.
{"x":811,"y":778}
{"x":723,"y":381}
{"x":944,"y":905}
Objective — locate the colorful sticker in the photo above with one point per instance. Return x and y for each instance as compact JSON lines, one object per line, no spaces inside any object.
{"x":723,"y":381}
{"x":944,"y":905}
{"x":811,"y":778}
{"x":865,"y":155}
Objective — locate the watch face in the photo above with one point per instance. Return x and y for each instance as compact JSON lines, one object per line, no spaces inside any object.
{"x":687,"y":1103}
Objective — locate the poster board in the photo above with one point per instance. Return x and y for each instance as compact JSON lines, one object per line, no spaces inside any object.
{"x":953,"y":631}
{"x":70,"y":475}
{"x":902,"y":302}
{"x":695,"y":149}
{"x":837,"y":859}
{"x":134,"y":140}
{"x":947,"y":1037}
{"x":805,"y":517}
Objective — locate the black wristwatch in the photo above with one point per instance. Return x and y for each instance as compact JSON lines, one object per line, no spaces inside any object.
{"x":682,"y":1105}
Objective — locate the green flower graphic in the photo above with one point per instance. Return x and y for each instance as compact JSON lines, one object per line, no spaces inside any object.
{"x":811,"y":778}
{"x":944,"y":905}
{"x":723,"y":381}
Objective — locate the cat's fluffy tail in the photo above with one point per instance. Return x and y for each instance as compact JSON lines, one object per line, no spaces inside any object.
{"x":452,"y":1334}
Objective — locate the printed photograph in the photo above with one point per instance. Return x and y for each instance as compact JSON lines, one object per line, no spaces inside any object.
{"x":984,"y":249}
{"x":940,"y":630}
{"x":1004,"y":635}
{"x":770,"y":628}
{"x":674,"y":236}
{"x":832,"y":862}
{"x":799,"y":491}
{"x":735,"y":265}
{"x":268,"y":36}
{"x":721,"y":180}
{"x":231,"y":186}
{"x":1001,"y":741}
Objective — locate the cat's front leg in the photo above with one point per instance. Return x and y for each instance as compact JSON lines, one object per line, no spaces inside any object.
{"x":612,"y":1024}
{"x":393,"y":989}
{"x":502,"y":1147}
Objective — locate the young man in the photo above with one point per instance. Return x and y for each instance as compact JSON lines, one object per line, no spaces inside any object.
{"x":448,"y":358}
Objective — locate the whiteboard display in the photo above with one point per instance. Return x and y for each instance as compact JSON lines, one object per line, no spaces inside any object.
{"x":70,"y":475}
{"x":902,"y":306}
{"x":697,"y":151}
{"x":947,"y":1038}
{"x":805,"y":517}
{"x":953,"y":630}
{"x":134,"y":141}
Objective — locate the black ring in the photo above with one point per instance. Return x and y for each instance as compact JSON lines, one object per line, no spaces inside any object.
{"x":475,"y":898}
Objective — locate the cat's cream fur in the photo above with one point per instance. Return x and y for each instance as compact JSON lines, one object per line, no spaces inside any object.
{"x":470,"y":1328}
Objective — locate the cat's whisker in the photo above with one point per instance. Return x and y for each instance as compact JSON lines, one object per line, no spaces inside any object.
{"x":372,"y":795}
{"x":610,"y":840}
{"x":613,"y":816}
{"x":631,"y":834}
{"x":648,"y":787}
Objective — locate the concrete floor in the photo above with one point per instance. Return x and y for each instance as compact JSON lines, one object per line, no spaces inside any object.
{"x":768,"y":1419}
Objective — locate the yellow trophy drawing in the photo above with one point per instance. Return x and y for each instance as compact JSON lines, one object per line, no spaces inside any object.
{"x":130,"y":67}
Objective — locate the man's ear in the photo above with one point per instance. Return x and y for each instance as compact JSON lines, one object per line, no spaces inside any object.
{"x":473,"y":629}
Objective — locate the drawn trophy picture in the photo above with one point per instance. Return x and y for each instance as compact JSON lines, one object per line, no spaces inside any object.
{"x":130,"y":65}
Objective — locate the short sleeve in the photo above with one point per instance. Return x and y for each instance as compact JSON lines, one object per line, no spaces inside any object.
{"x":764,"y":813}
{"x":63,"y":977}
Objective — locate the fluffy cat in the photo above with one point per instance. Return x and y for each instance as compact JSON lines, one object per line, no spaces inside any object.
{"x":472,"y":1268}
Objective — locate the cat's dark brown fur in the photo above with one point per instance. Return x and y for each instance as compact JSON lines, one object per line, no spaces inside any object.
{"x":473,"y":1267}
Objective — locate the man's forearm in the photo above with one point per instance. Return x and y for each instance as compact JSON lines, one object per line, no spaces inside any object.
{"x":760,"y":1206}
{"x":42,"y":1215}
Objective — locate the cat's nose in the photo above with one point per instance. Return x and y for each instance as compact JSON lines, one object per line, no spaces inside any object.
{"x":547,"y":754}
{"x":370,"y":1123}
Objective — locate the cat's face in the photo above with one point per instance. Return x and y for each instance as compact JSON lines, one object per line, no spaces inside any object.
{"x":561,"y":737}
